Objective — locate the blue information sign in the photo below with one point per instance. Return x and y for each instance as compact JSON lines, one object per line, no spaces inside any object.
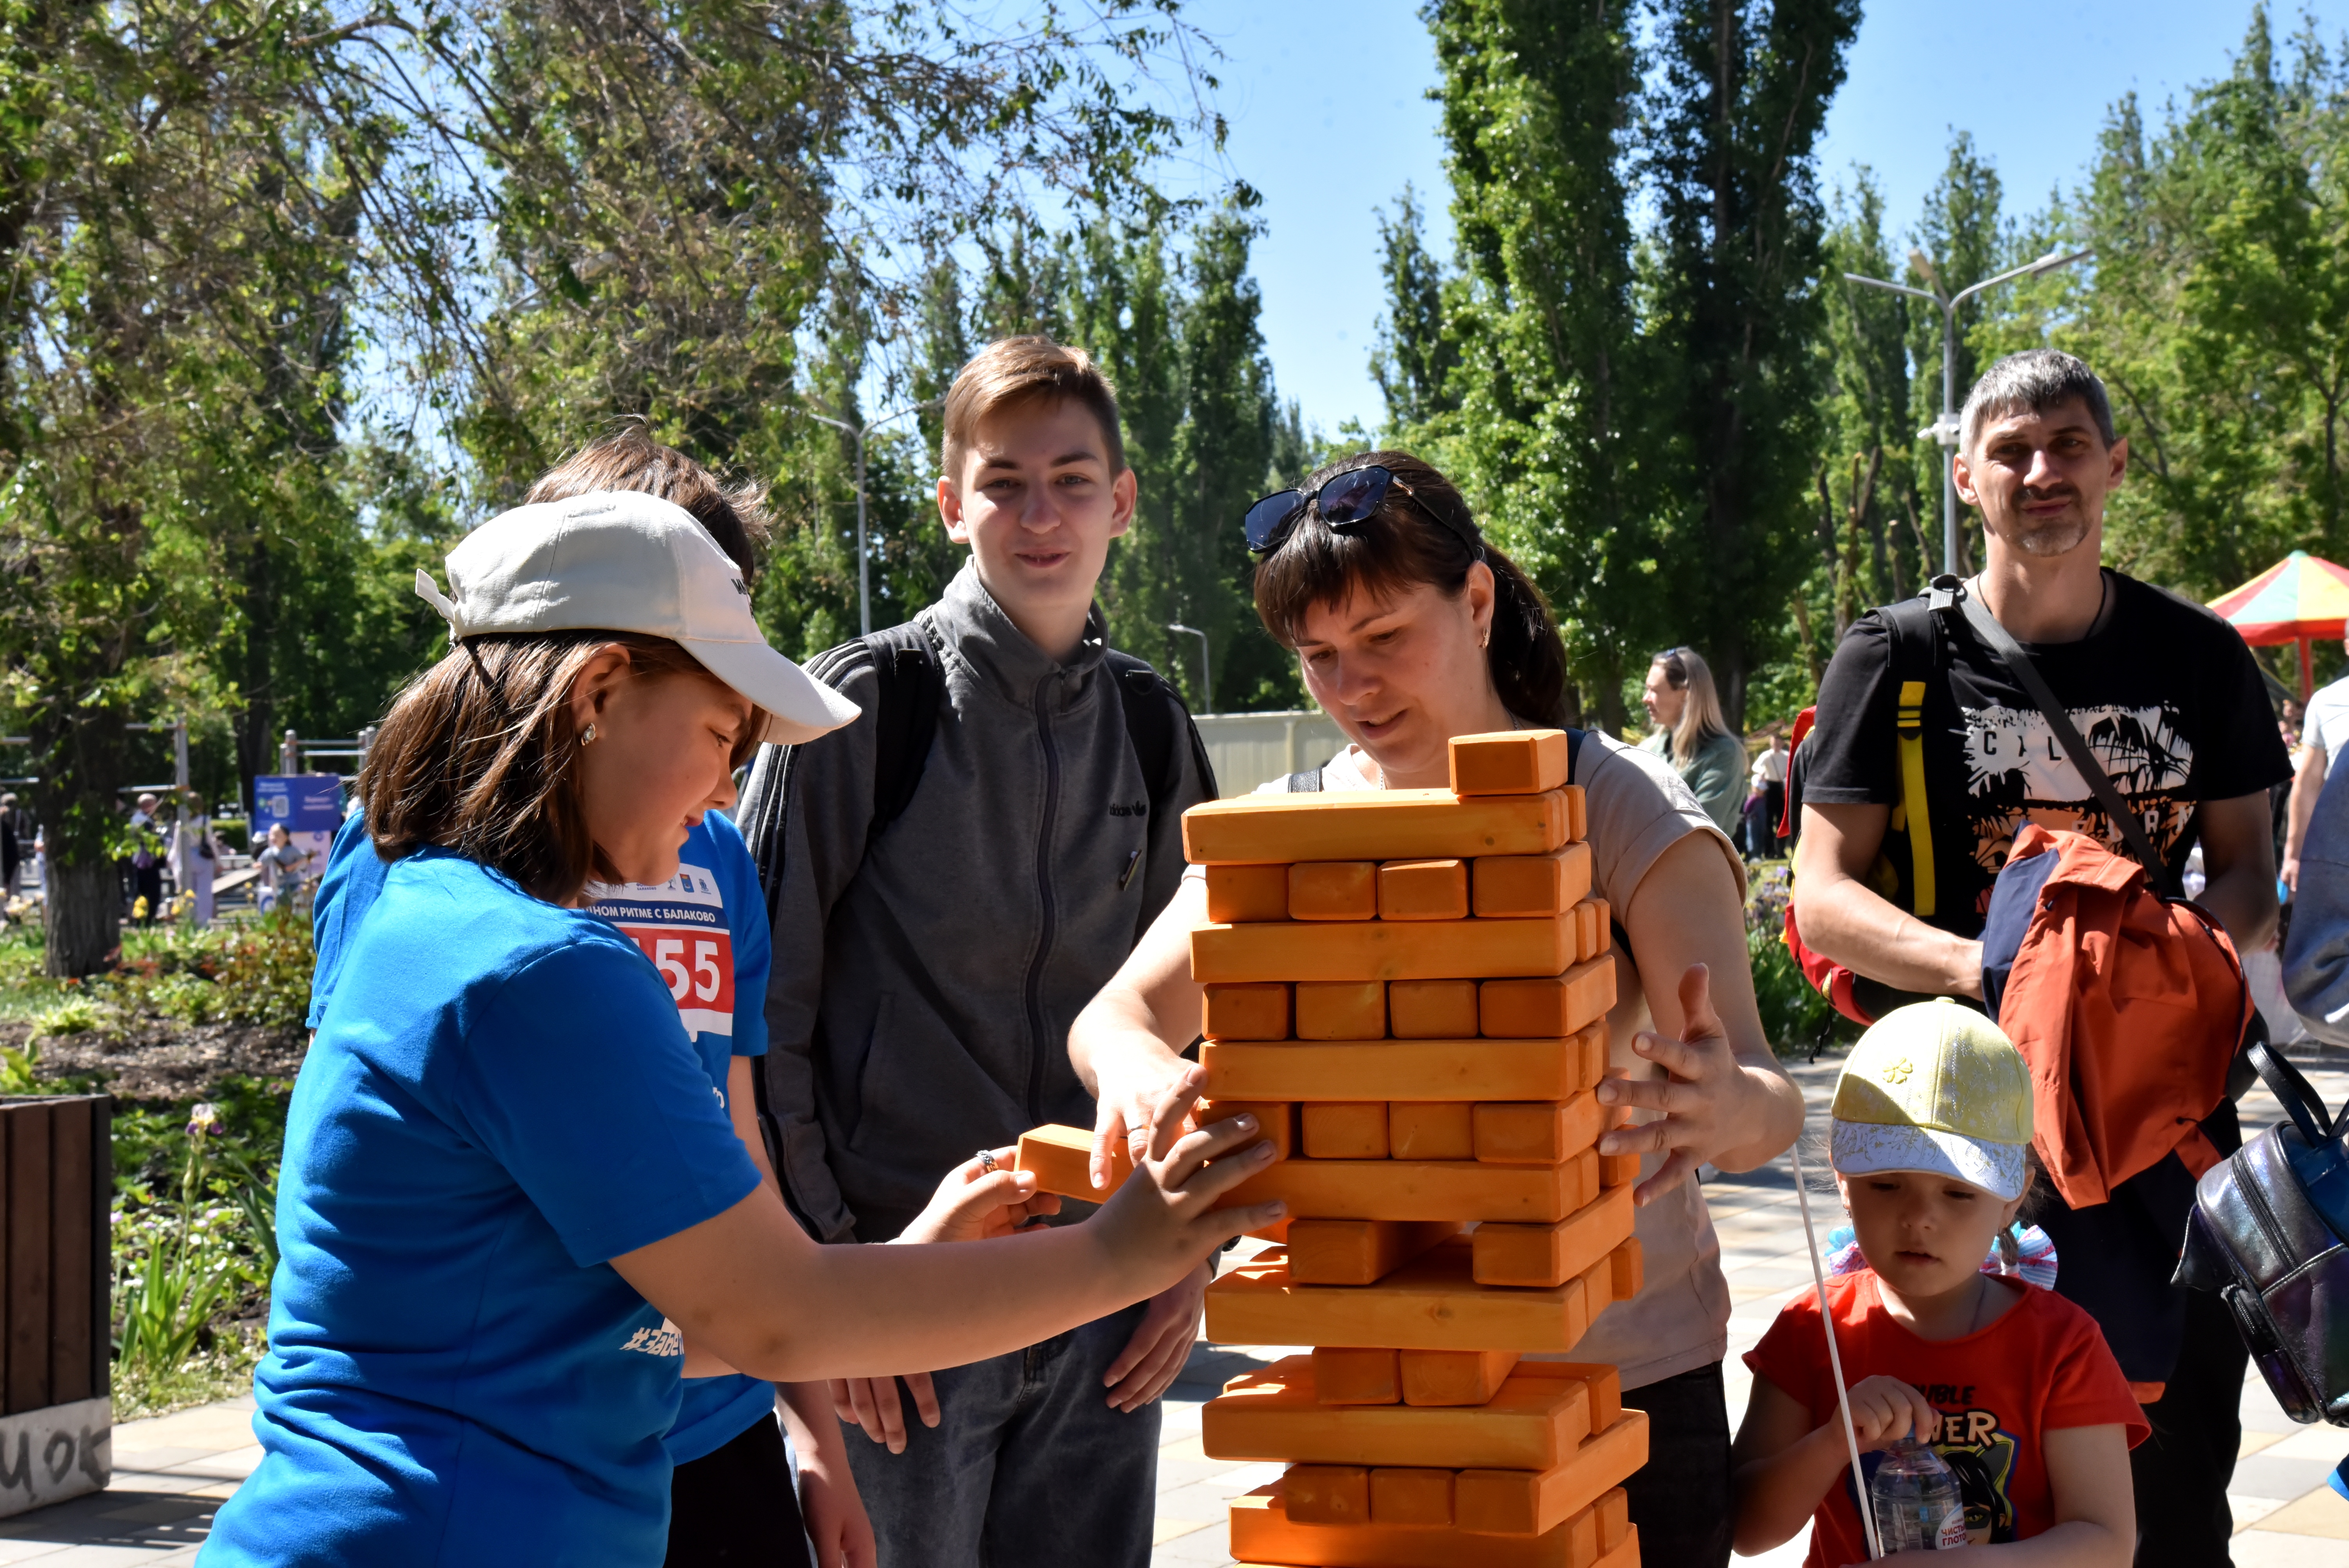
{"x":300,"y":802}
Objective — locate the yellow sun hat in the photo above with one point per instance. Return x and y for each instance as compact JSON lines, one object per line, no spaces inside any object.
{"x":1935,"y":1087}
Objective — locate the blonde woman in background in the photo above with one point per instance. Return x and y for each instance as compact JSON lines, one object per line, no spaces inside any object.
{"x":1690,"y":734}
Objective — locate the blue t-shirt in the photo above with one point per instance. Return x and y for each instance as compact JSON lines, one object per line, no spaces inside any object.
{"x":501,"y":1099}
{"x":706,"y":931}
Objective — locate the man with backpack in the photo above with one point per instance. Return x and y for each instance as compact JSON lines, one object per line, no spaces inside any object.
{"x":1938,"y":738}
{"x":952,"y":878}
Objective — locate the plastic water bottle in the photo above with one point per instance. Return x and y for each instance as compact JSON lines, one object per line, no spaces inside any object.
{"x":1917,"y":1501}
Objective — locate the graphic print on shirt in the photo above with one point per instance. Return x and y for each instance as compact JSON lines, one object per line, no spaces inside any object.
{"x":681,"y":927}
{"x":1979,"y":1452}
{"x":2016,"y":770}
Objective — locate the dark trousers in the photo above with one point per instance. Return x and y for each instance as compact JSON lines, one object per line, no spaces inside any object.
{"x":1027,"y":1468}
{"x":2181,"y":1471}
{"x":1681,"y":1498}
{"x":738,"y":1506}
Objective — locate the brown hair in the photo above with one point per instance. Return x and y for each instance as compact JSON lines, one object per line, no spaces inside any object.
{"x":476,"y":756}
{"x":1012,"y":371}
{"x":629,"y":460}
{"x":1402,"y":546}
{"x":1701,"y":718}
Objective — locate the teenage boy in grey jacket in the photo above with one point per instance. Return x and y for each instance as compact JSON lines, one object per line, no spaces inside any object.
{"x":925,"y":980}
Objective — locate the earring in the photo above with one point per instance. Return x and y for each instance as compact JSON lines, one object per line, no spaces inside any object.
{"x":587,"y":737}
{"x":1485,"y":640}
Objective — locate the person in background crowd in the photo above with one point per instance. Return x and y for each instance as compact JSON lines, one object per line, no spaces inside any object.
{"x":282,"y":865}
{"x":1411,"y":628}
{"x":2324,"y":731}
{"x":194,"y":857}
{"x":1768,"y":803}
{"x":2191,"y":745}
{"x":1691,"y":733}
{"x":146,"y":862}
{"x":12,"y":850}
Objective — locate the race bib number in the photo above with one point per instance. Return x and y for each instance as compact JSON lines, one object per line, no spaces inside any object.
{"x":680,"y":926}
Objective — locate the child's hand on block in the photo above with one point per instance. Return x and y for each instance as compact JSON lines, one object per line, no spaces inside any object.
{"x":982,"y":1197}
{"x":1163,"y":1224}
{"x":1885,"y":1409}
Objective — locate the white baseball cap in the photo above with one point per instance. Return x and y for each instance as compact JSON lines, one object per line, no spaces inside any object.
{"x":621,"y":561}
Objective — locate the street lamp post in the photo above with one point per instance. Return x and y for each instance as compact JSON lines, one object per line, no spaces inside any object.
{"x":863,"y":563}
{"x":1206,"y":684}
{"x":1945,"y":429}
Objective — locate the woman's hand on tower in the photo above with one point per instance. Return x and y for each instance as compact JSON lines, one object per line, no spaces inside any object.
{"x":1712,"y":1102}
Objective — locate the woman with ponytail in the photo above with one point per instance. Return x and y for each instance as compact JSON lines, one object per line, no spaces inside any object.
{"x":1412,"y":628}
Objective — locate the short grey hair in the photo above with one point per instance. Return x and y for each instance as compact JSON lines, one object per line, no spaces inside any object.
{"x":2037,"y":380}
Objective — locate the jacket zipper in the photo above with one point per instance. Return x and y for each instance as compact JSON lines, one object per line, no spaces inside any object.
{"x":1048,"y":925}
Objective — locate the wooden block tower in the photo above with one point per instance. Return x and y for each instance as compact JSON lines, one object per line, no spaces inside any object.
{"x":1406,"y":988}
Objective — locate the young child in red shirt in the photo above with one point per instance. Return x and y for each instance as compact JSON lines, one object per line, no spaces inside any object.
{"x":2012,"y":1384}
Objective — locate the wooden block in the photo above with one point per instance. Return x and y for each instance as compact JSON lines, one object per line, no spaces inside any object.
{"x":1277,"y":1231}
{"x":1406,"y":1496}
{"x":1258,"y":1012}
{"x":1061,"y":1158}
{"x":1424,"y":889}
{"x":1431,"y":1129}
{"x":1339,"y":1010}
{"x":1325,"y":1189}
{"x":1520,"y":887}
{"x":1431,"y":1010}
{"x":1401,"y":950}
{"x":1631,"y":1268}
{"x":1538,"y":1419}
{"x":1602,"y":927}
{"x":1431,"y":1303}
{"x":1536,"y":1132}
{"x":1625,"y":1555}
{"x":1237,"y":893}
{"x":1585,"y":1167}
{"x":1343,"y":1374}
{"x":1453,"y":1069}
{"x":1521,"y":1502}
{"x":1509,"y":762}
{"x":1375,"y":825}
{"x":1359,"y":1252}
{"x":1276,"y":1118}
{"x":1333,"y":890}
{"x":1614,"y":1511}
{"x":1455,"y":1376}
{"x":1329,"y":1494}
{"x":1603,"y":1382}
{"x":1344,"y":1131}
{"x":1262,"y":1532}
{"x":1532,"y":1008}
{"x":1542,"y":1255}
{"x":1594,"y":1059}
{"x":1617,"y":1169}
{"x":1578,"y":814}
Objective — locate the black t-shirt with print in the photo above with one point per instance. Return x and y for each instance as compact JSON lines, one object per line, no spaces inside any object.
{"x":2165,"y":692}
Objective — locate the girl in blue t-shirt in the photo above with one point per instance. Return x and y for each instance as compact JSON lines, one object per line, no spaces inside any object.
{"x":513,"y":1210}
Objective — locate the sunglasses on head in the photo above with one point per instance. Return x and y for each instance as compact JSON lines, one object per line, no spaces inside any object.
{"x":1345,"y":502}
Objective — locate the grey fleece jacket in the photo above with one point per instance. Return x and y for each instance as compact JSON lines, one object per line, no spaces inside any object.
{"x":921,"y":997}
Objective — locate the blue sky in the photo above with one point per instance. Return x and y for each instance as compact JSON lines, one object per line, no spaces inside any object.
{"x":1325,"y":99}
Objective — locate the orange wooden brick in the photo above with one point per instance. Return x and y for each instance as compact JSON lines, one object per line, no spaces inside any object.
{"x":1631,"y":1268}
{"x":1617,"y":1169}
{"x":1552,"y":1255}
{"x":1602,"y":927}
{"x":1509,"y":762}
{"x":1277,"y":1121}
{"x":1424,"y":889}
{"x":1518,"y":887}
{"x":1333,"y":890}
{"x":1522,"y":1503}
{"x":1375,"y":825}
{"x":1614,"y":1511}
{"x":1578,"y":814}
{"x":1262,"y":1532}
{"x":1429,"y":1304}
{"x":1061,"y":1158}
{"x":1585,"y":1172}
{"x":1344,"y":1374}
{"x":1406,"y":1496}
{"x":1258,"y":1012}
{"x":1455,"y":1376}
{"x":1324,"y":1189}
{"x":1431,"y":1010}
{"x":1594,"y":1058}
{"x":1328,"y":1494}
{"x":1359,"y":1252}
{"x":1384,"y":950}
{"x":1537,"y":1007}
{"x":1426,"y":1070}
{"x":1431,"y":1129}
{"x":1344,"y":1131}
{"x":1538,"y":1419}
{"x":1340,"y":1010}
{"x":1537,"y":1132}
{"x":1603,"y":1382}
{"x":1626,"y":1554}
{"x":1247,"y":893}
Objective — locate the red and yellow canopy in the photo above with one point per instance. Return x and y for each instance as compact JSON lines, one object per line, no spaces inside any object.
{"x":2300,"y":598}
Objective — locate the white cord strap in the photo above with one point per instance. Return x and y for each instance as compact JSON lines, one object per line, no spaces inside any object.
{"x":1835,"y":1358}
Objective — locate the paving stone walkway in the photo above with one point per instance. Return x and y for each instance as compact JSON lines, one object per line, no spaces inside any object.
{"x":172,"y":1471}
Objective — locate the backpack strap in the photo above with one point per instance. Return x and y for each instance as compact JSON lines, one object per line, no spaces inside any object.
{"x":1156,"y":723}
{"x":1914,"y":628}
{"x":912,"y":682}
{"x":1309,"y":783}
